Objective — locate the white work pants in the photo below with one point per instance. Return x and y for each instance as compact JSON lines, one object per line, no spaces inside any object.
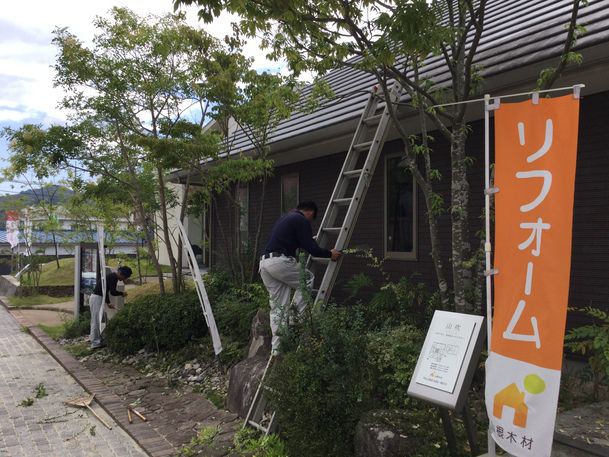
{"x":281,"y":275}
{"x":95,"y":305}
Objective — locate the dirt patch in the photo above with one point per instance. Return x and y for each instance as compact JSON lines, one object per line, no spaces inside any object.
{"x":589,"y":424}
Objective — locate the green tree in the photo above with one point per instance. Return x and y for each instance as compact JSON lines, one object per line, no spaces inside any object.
{"x":143,"y":73}
{"x":391,"y":40}
{"x":134,"y":107}
{"x":249,"y":103}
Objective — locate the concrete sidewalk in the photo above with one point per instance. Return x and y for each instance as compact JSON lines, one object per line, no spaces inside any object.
{"x":47,"y":427}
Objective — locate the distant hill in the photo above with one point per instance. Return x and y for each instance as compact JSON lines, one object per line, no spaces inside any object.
{"x":56,"y":195}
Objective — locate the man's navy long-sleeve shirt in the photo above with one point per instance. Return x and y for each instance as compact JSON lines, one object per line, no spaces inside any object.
{"x":293,"y":231}
{"x":111,"y":283}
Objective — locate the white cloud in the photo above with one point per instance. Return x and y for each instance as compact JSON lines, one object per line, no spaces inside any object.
{"x":13,"y":115}
{"x":27,"y":54}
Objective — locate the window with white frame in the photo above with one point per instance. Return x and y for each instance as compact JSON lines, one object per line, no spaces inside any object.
{"x":289,"y":192}
{"x":400,"y":211}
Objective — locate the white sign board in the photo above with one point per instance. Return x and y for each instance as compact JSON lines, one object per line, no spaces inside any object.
{"x":443,"y":369}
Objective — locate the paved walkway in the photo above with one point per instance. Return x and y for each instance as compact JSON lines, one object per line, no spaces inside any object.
{"x":47,"y":427}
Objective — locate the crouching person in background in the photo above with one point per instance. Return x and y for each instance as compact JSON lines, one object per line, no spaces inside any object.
{"x":95,"y":302}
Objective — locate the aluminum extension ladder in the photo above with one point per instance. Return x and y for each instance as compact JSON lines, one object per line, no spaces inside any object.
{"x":258,"y":416}
{"x":356,"y":167}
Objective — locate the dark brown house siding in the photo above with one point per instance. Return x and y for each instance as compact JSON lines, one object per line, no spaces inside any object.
{"x":590,"y":258}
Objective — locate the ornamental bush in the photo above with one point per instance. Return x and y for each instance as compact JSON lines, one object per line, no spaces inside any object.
{"x":78,"y":327}
{"x":321,"y":386}
{"x":392,"y":356}
{"x":169,"y":322}
{"x":156,"y":323}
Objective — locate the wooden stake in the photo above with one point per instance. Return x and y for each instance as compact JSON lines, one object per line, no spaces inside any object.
{"x":141,"y":416}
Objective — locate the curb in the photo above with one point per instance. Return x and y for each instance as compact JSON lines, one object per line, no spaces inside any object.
{"x":153,"y":443}
{"x":39,"y":308}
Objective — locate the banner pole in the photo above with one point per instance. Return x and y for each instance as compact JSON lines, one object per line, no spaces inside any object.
{"x":487,"y":243}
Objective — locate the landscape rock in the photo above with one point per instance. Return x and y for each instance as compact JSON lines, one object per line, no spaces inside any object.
{"x":260,"y":335}
{"x":377,"y":436}
{"x":243,"y":382}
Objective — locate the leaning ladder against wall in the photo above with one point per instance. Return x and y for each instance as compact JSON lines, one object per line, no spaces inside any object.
{"x":200,"y":286}
{"x":345,"y":204}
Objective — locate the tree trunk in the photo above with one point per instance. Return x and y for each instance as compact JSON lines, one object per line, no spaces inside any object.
{"x":180,"y":245}
{"x":436,"y":254}
{"x":139,"y":205}
{"x":56,"y":250}
{"x":138,"y":259}
{"x":150,"y":246}
{"x":459,"y":217}
{"x":254,"y":269}
{"x":427,"y":187}
{"x":166,"y":234}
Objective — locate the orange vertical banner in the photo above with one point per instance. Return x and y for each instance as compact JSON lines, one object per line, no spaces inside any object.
{"x":535,"y":159}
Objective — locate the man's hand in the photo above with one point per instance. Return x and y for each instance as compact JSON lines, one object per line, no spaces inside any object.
{"x":335,"y":255}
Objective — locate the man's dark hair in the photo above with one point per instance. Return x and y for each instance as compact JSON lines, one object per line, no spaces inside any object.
{"x":125,"y":272}
{"x":308,"y":206}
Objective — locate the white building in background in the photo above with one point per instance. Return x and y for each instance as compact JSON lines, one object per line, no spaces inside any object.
{"x":197,"y":228}
{"x":69,"y":232}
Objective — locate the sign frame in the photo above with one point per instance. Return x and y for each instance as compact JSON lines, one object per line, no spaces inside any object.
{"x":79,"y":292}
{"x":457,"y":399}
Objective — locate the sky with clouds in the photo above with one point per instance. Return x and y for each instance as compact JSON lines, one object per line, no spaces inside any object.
{"x":27,"y":54}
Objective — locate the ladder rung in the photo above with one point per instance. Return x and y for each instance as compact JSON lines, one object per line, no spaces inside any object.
{"x":364,"y":145}
{"x":353,"y":173}
{"x":332,"y":229}
{"x":373,"y":119}
{"x":320,"y":259}
{"x":257,"y":426}
{"x":342,"y":201}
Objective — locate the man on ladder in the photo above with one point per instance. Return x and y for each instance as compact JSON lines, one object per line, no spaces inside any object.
{"x":279,"y":267}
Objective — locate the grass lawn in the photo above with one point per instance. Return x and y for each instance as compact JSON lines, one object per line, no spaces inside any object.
{"x":150,"y":288}
{"x":64,"y":275}
{"x":146,"y":266}
{"x":54,"y":331}
{"x":34,"y":300}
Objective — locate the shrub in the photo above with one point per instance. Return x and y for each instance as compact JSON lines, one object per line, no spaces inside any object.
{"x":156,"y":322}
{"x":217,"y":283}
{"x":402,"y":302}
{"x":168,"y":322}
{"x":321,"y":386}
{"x":249,"y":442}
{"x":77,"y":327}
{"x":392,"y":356}
{"x":593,"y":341}
{"x":235,"y":308}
